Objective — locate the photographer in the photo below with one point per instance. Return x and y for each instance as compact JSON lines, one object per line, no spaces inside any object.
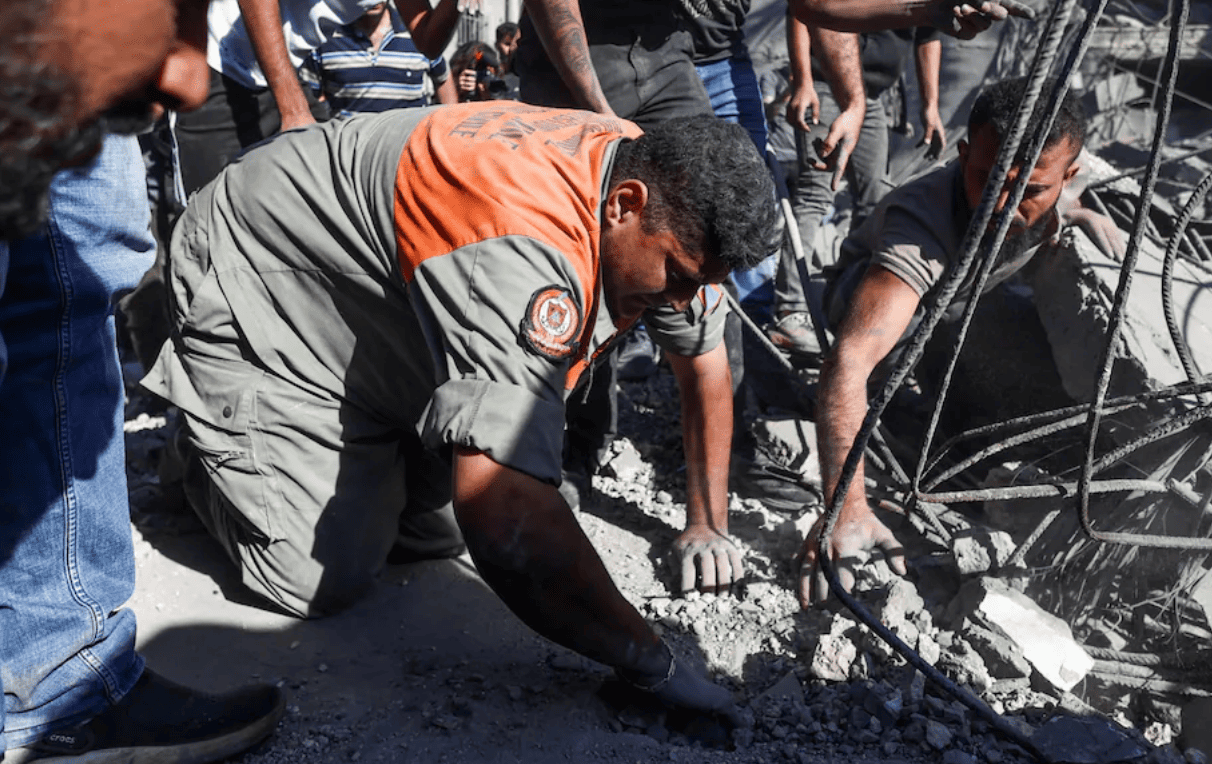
{"x":477,"y":71}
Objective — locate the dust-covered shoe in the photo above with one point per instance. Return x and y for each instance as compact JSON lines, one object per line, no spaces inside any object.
{"x":159,"y":721}
{"x":794,"y":332}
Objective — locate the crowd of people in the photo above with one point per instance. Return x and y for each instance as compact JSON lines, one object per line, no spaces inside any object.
{"x":392,"y":289}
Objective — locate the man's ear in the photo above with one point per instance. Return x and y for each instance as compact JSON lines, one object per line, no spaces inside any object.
{"x":1073,"y":170}
{"x":962,"y":149}
{"x":628,"y":197}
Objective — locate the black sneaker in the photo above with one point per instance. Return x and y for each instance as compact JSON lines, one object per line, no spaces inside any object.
{"x":158,"y":722}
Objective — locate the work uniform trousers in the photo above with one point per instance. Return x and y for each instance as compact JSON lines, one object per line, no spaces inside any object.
{"x":66,"y":559}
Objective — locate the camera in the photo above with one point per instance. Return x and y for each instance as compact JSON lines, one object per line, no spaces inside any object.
{"x":495,"y":88}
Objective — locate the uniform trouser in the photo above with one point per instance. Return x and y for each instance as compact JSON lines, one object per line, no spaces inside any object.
{"x":66,"y":560}
{"x":813,"y":195}
{"x":305,"y":491}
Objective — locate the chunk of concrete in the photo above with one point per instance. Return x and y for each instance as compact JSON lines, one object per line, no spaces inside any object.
{"x":625,"y":463}
{"x":1075,"y":288}
{"x":1043,"y":639}
{"x":834,"y":654}
{"x":1002,"y":656}
{"x":981,"y":551}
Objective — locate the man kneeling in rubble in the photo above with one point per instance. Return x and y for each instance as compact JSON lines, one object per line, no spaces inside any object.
{"x":377,"y":316}
{"x":874,"y":297}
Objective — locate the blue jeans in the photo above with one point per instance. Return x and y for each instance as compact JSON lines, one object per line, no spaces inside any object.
{"x":66,"y":559}
{"x":733,"y":89}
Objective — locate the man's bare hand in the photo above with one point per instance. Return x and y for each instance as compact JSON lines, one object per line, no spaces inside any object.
{"x":966,"y":20}
{"x":709,"y":558}
{"x":804,"y":102}
{"x":934,"y":135}
{"x":1109,"y":239}
{"x":835,"y":150}
{"x":853,"y":538}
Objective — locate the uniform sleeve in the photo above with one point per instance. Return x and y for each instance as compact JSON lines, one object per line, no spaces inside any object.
{"x":501,"y":318}
{"x":693,"y":331}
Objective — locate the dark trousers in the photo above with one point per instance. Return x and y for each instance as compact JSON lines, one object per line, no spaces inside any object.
{"x":232,"y":119}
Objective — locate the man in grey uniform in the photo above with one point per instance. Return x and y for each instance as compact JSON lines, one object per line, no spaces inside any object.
{"x":378,"y":316}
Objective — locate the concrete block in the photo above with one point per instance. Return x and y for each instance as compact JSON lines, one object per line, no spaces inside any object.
{"x":625,"y":463}
{"x":1074,"y":290}
{"x":1002,"y":656}
{"x":981,"y":551}
{"x":1044,"y":640}
{"x":834,"y":654}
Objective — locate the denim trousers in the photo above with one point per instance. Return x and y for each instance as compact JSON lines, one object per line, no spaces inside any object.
{"x":66,"y":558}
{"x":733,"y":89}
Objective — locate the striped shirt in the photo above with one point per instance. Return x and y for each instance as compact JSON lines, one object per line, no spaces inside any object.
{"x":355,"y":77}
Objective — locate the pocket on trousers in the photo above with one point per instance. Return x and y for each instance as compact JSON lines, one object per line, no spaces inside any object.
{"x":228,"y":460}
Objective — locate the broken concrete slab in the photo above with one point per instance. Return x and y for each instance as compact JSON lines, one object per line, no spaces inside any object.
{"x":1075,"y":285}
{"x":1044,"y":640}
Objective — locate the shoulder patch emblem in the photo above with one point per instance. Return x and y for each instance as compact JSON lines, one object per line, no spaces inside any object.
{"x":551,"y":323}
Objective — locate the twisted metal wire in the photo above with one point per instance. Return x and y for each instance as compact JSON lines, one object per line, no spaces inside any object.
{"x":1181,"y":9}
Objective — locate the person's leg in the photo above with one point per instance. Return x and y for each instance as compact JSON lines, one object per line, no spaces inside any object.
{"x":811,"y":201}
{"x":232,"y":119}
{"x":304,"y":494}
{"x":66,"y":560}
{"x":868,"y":172}
{"x":732,"y":87}
{"x":663,"y":80}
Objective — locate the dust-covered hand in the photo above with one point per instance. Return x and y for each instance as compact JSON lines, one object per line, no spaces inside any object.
{"x":683,"y":687}
{"x":966,"y":20}
{"x":856,"y":533}
{"x":934,"y":135}
{"x":834,"y":151}
{"x":804,"y":107}
{"x":709,"y":558}
{"x":1109,"y":239}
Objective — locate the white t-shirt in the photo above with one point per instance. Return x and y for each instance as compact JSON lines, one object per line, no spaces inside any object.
{"x":305,"y":23}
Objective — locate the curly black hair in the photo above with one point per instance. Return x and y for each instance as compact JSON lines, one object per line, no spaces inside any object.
{"x":997,"y":105}
{"x":37,"y":128}
{"x":708,"y":185}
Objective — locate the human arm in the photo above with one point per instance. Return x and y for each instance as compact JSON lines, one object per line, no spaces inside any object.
{"x":838,"y":53}
{"x":959,"y":19}
{"x":928,"y":56}
{"x":803,"y":91}
{"x":431,"y":27}
{"x":1103,"y":232}
{"x":561,"y":29}
{"x":263,"y":20}
{"x":703,"y":548}
{"x":445,"y":92}
{"x":530,"y":550}
{"x":879,"y":312}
